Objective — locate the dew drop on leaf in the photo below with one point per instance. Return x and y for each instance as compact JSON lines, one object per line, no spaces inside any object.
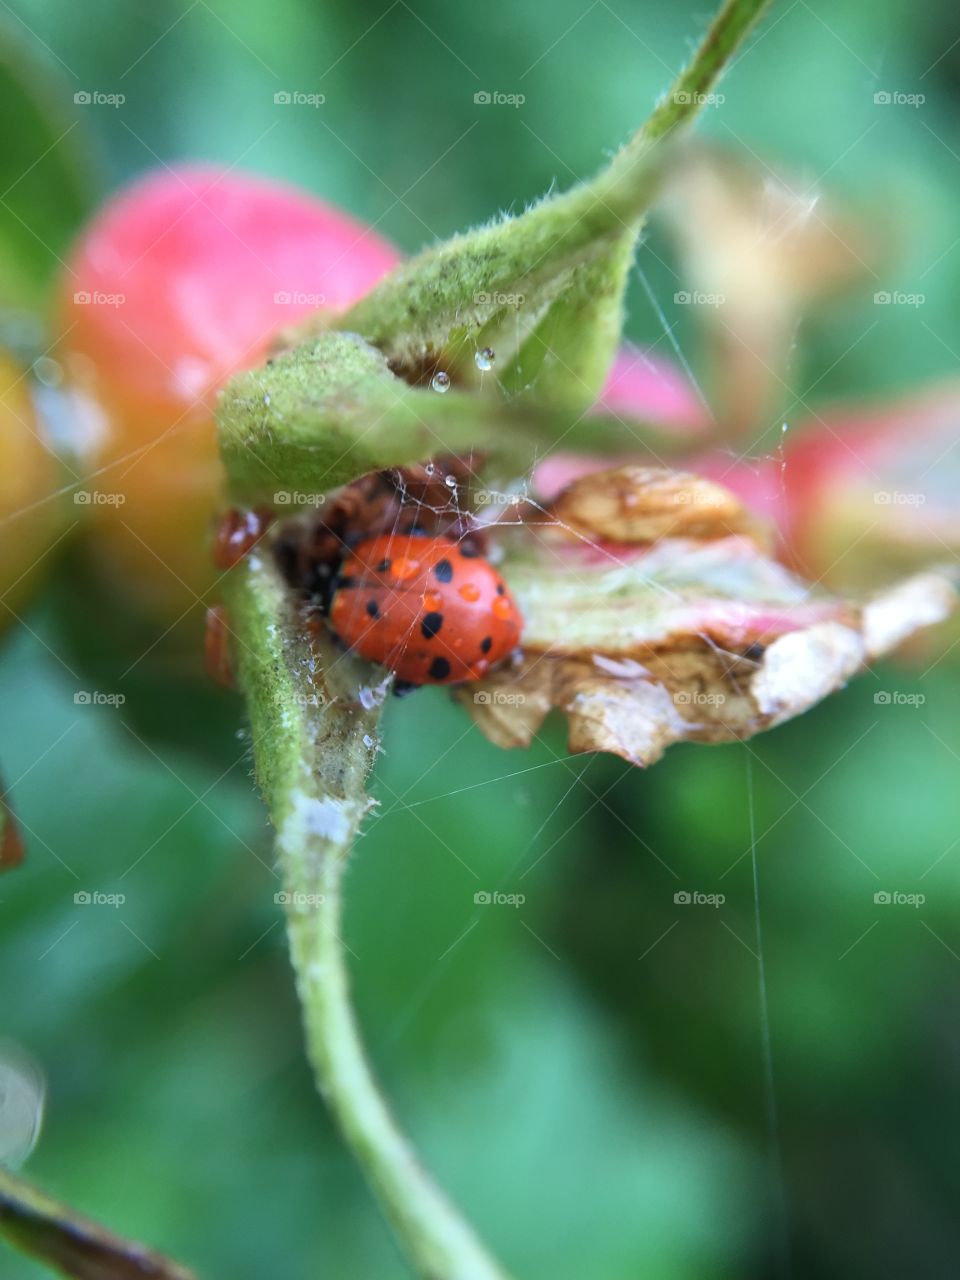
{"x":484,"y":359}
{"x":22,"y":1091}
{"x":47,"y":371}
{"x":441,"y":382}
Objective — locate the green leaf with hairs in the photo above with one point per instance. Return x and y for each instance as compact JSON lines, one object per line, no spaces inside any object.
{"x":330,"y":411}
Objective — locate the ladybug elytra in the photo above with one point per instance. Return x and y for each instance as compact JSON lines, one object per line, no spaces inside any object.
{"x":426,"y":608}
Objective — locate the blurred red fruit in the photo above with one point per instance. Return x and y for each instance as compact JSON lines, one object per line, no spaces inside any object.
{"x":180,"y":281}
{"x":874,"y":492}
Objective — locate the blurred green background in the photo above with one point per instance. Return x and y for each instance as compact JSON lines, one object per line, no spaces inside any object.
{"x":585,"y":1073}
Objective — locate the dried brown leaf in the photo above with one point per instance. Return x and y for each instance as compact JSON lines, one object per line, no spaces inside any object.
{"x":637,"y":504}
{"x":645,"y":642}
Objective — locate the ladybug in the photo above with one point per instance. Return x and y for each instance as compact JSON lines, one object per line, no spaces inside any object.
{"x":429,"y":609}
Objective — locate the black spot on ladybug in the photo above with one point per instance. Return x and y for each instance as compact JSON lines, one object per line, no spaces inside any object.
{"x":383,"y":566}
{"x":431,"y":624}
{"x":443,"y":570}
{"x":486,"y":644}
{"x":500,"y":589}
{"x":755,"y":652}
{"x":439,"y":669}
{"x":373,"y":609}
{"x":469,"y":551}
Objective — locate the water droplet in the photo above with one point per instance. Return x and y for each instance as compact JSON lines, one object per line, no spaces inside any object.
{"x":441,"y":382}
{"x":450,"y":482}
{"x":22,"y":1091}
{"x":484,"y":359}
{"x":47,"y":371}
{"x":430,"y":469}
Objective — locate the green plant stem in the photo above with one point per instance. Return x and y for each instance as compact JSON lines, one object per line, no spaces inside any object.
{"x":438,"y":1239}
{"x":433,"y":293}
{"x":732,"y":24}
{"x":314,"y":719}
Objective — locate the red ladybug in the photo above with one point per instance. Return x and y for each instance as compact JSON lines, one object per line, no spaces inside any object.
{"x":429,"y":609}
